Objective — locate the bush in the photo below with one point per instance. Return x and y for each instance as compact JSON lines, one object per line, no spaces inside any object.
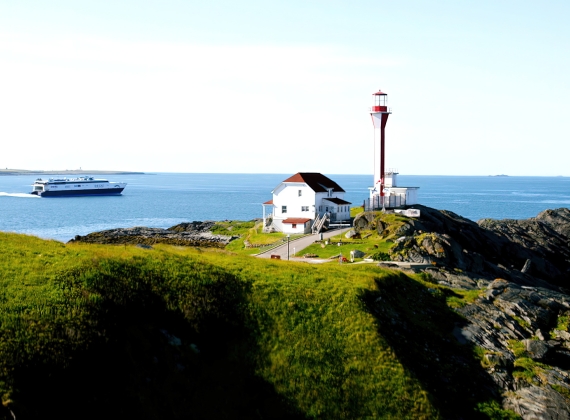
{"x":380,"y":256}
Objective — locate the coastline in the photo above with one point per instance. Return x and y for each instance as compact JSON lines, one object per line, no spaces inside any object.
{"x":7,"y":172}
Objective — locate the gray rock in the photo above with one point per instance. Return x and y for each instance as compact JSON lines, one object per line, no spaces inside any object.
{"x":526,"y":266}
{"x":537,"y":350}
{"x":185,"y":234}
{"x":534,"y":402}
{"x":357,"y":254}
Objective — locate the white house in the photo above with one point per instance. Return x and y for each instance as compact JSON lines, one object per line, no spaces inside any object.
{"x":304,"y":201}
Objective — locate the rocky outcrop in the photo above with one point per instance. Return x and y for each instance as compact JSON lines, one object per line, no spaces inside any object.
{"x":184,"y":234}
{"x":520,"y":320}
{"x":522,"y":350}
{"x":533,"y":252}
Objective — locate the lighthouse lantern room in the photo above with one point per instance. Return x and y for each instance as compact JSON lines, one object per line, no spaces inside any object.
{"x":380,"y":102}
{"x":385,"y":193}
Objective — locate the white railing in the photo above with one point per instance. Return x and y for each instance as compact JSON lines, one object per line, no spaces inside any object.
{"x":389,"y":202}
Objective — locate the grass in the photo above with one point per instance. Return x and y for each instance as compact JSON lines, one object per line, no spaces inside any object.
{"x":525,"y":368}
{"x":458,"y":298}
{"x":369,"y":245}
{"x":251,"y":239}
{"x":96,"y":331}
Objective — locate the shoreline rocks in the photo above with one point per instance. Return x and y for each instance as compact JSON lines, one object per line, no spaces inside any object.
{"x":184,"y":234}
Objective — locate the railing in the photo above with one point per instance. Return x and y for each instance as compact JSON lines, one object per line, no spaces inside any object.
{"x":319,"y":223}
{"x":390,"y":202}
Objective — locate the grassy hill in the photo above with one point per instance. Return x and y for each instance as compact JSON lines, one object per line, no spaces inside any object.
{"x":95,"y":331}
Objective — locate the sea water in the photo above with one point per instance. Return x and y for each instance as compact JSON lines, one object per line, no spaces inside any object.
{"x":166,"y":199}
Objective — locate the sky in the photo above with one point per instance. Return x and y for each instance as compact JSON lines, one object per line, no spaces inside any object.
{"x":476,"y":88}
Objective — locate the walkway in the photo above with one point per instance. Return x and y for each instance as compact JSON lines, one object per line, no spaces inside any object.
{"x":298,"y":245}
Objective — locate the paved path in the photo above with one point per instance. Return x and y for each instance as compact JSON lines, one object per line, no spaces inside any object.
{"x":298,"y":245}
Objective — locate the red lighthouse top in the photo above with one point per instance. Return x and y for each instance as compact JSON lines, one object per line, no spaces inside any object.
{"x":380,"y":101}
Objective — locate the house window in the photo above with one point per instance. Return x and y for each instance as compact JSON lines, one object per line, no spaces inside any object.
{"x":300,"y":193}
{"x":304,"y":208}
{"x":283,"y":209}
{"x":294,"y":225}
{"x":320,"y":208}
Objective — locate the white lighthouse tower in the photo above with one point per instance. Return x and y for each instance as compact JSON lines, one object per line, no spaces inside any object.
{"x":379,"y":113}
{"x":385,"y":193}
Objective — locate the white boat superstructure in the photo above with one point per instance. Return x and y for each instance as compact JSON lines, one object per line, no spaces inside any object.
{"x":84,"y":185}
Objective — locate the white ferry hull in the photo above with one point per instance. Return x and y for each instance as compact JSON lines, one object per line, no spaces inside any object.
{"x":84,"y":186}
{"x":74,"y":193}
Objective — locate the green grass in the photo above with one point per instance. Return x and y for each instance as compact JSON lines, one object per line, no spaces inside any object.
{"x":354,"y":211}
{"x":368,"y":245}
{"x":458,"y":298}
{"x":120,"y":331}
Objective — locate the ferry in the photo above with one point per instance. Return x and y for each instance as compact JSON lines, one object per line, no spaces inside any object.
{"x":84,"y":185}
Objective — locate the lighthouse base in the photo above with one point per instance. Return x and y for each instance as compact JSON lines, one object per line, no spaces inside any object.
{"x":394,"y":197}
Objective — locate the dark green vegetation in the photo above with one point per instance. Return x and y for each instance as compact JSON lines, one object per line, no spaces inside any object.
{"x":95,"y":331}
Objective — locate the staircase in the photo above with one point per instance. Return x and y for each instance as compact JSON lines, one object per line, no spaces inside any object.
{"x":319,"y":223}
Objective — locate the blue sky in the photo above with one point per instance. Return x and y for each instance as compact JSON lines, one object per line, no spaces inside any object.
{"x":476,"y":88}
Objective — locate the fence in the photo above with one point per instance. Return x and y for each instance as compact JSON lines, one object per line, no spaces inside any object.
{"x":390,"y":202}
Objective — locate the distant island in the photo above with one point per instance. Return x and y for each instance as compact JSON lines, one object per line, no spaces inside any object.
{"x":499,"y":175}
{"x":65,"y":172}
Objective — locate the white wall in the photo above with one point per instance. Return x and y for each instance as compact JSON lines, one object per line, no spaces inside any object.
{"x":300,"y":227}
{"x":411,"y":196}
{"x":342,"y":211}
{"x":288,"y":195}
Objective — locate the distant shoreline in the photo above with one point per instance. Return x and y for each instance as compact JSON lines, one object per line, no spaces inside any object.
{"x":65,"y":172}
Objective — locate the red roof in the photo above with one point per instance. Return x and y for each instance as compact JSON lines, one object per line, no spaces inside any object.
{"x":379,"y":93}
{"x":318,"y":182}
{"x":296,"y":220}
{"x":269,"y":202}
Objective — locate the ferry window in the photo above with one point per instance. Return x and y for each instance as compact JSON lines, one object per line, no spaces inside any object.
{"x":283,"y":209}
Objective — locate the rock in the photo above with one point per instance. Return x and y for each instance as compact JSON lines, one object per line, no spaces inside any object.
{"x":522,"y":268}
{"x":534,"y":402}
{"x":526,"y":266}
{"x":184,"y":234}
{"x":364,"y":221}
{"x":537,"y":350}
{"x":350,"y":234}
{"x":357,"y":254}
{"x":490,"y":249}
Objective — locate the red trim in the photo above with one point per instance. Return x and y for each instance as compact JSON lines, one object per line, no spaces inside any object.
{"x":382,"y":151}
{"x":292,"y":220}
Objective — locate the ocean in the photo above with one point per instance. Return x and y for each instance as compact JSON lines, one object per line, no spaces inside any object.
{"x":166,"y":199}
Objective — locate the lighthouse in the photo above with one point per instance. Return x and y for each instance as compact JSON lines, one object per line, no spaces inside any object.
{"x":379,"y":113}
{"x":385,"y":193}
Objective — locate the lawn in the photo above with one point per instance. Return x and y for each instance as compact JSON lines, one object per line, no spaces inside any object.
{"x":102,"y":331}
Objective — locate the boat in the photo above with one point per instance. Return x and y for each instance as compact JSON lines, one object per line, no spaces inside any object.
{"x":84,"y":185}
